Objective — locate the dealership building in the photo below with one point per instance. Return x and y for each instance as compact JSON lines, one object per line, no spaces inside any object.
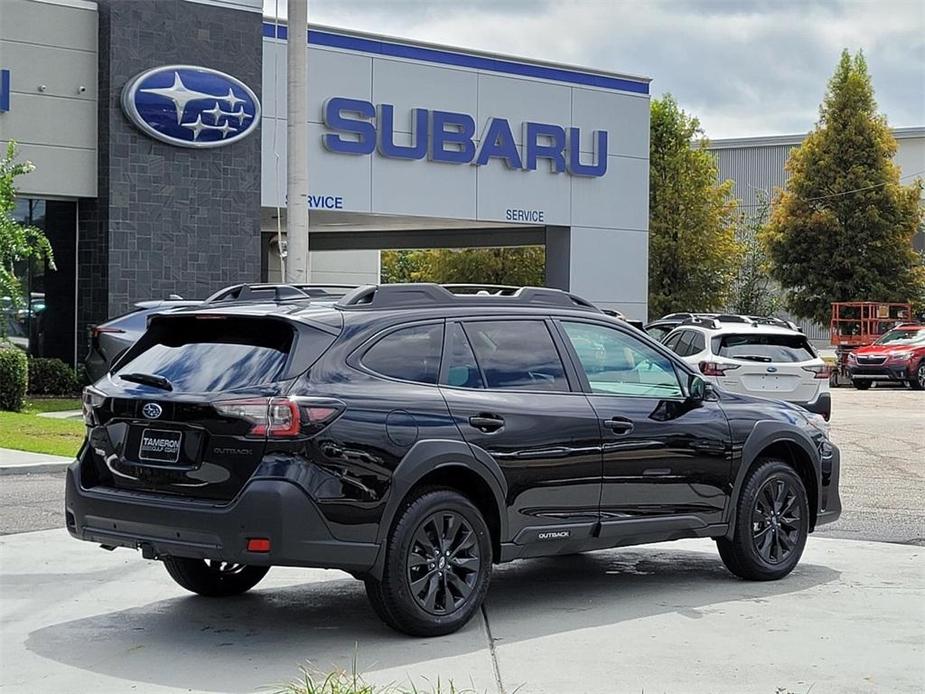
{"x":158,"y":131}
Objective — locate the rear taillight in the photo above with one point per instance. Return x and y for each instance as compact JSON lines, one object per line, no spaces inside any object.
{"x":98,"y":330}
{"x":712,"y":368}
{"x":823,"y":371}
{"x":90,"y":400}
{"x":281,"y":417}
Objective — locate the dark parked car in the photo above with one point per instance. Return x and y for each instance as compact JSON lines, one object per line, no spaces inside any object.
{"x":414,"y":438}
{"x":110,"y":339}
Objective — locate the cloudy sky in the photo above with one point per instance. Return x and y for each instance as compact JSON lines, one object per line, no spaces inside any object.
{"x":744,"y":67}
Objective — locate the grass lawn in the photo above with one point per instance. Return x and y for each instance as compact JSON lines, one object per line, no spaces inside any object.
{"x":25,"y":431}
{"x":34,"y":405}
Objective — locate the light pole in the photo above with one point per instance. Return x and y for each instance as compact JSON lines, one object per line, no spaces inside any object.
{"x":297,"y":261}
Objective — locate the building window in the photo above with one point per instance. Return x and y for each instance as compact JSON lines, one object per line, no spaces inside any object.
{"x":44,"y":322}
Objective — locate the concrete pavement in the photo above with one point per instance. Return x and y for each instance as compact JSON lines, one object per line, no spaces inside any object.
{"x":659,"y":618}
{"x":22,"y":462}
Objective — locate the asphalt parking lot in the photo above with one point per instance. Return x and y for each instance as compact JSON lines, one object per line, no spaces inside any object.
{"x":660,"y":618}
{"x":881,"y":433}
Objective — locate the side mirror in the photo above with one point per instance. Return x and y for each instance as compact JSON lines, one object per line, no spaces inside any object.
{"x":697,"y":388}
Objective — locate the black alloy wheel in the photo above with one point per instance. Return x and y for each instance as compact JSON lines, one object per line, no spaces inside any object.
{"x":214,"y":578}
{"x":771,"y":523}
{"x":776,"y":520}
{"x":437,"y":565}
{"x":443,"y":563}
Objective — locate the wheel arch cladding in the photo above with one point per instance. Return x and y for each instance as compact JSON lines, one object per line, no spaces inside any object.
{"x":770,"y":440}
{"x":448,"y":464}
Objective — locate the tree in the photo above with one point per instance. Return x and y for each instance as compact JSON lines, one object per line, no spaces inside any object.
{"x":17,"y":242}
{"x":519,"y":266}
{"x":753,"y":291}
{"x":693,"y":253}
{"x":841,"y":230}
{"x":400,"y":266}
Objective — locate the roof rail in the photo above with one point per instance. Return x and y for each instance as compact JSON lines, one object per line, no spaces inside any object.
{"x":280,"y":292}
{"x":425,"y":295}
{"x":702,"y":321}
{"x":258,"y":292}
{"x":325,"y":290}
{"x":483,"y":289}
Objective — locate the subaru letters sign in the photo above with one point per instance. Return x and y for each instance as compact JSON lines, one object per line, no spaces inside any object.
{"x":359,"y":127}
{"x":191,"y":106}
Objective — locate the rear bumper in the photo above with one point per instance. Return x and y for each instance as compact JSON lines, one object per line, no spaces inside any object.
{"x":821,"y":404}
{"x":880,"y":372}
{"x":277,"y":509}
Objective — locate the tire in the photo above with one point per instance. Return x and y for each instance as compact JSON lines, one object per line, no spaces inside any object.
{"x":420,"y":597}
{"x":214,"y":579}
{"x":917,"y":382}
{"x":767,"y":541}
{"x":861,"y":385}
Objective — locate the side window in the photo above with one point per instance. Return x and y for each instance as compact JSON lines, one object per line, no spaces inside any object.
{"x":461,"y":369}
{"x":411,"y":354}
{"x":698,"y":344}
{"x":684,"y":344}
{"x":619,"y":364}
{"x":518,"y":354}
{"x":672,"y":342}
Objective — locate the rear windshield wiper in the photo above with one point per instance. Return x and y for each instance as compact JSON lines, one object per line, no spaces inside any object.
{"x":752,"y":357}
{"x":148,"y":380}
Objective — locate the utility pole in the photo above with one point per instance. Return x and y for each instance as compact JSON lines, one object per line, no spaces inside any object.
{"x":297,"y":263}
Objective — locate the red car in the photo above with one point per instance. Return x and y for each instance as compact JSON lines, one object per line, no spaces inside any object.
{"x":898,"y":355}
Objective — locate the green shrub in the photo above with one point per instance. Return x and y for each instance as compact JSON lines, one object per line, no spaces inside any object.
{"x":52,"y":377}
{"x":14,"y":377}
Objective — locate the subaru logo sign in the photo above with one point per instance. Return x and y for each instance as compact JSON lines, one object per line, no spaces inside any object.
{"x":772,"y":369}
{"x":151,"y":410}
{"x":191,"y":106}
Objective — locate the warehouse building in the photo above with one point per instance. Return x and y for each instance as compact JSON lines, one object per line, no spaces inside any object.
{"x":159,"y":136}
{"x":756,"y":166}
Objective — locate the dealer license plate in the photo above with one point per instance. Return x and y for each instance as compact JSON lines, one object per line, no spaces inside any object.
{"x":160,"y":446}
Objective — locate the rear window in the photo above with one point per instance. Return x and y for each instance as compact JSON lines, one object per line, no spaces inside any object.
{"x":409,"y":354}
{"x":518,"y":355}
{"x":200,"y":355}
{"x":764,"y":347}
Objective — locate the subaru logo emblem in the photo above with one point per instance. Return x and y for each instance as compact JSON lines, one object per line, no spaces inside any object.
{"x":152,"y":410}
{"x":191,"y":106}
{"x":772,"y":369}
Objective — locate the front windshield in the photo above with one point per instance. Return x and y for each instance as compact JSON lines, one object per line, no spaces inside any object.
{"x":915,"y":336}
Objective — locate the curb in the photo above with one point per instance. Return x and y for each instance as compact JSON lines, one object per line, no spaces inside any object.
{"x":33,"y":468}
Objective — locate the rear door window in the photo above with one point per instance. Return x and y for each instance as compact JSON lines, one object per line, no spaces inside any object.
{"x":200,"y":355}
{"x":764,"y":347}
{"x":684,"y":344}
{"x":698,"y":343}
{"x":462,"y":371}
{"x":517,"y":354}
{"x":672,"y":341}
{"x":408,"y":354}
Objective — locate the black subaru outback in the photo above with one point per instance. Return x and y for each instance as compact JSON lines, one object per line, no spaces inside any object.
{"x":414,"y":437}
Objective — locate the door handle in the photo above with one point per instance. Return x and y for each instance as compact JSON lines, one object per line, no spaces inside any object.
{"x":486,"y":422}
{"x":619,"y":425}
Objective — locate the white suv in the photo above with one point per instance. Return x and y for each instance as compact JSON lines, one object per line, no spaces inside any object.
{"x":755,"y":356}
